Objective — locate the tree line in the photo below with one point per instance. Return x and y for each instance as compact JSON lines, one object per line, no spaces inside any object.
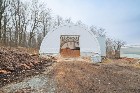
{"x":26,"y":23}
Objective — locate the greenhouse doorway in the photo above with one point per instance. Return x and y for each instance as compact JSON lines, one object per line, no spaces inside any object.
{"x":69,"y":46}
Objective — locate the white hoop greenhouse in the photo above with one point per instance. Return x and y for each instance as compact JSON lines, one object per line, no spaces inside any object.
{"x":90,"y":44}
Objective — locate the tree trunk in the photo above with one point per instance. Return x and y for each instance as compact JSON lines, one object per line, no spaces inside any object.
{"x":117,"y":54}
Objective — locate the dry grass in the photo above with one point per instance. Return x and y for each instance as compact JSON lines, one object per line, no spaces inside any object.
{"x":83,"y":77}
{"x":68,"y":76}
{"x":107,"y":60}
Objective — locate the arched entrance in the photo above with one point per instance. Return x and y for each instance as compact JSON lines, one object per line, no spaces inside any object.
{"x":69,"y":45}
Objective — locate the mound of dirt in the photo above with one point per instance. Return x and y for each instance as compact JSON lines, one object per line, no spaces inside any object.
{"x":17,"y":64}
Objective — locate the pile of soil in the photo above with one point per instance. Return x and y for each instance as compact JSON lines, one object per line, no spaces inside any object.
{"x":17,"y":64}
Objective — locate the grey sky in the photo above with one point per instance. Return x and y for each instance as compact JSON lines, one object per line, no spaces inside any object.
{"x":120,"y":18}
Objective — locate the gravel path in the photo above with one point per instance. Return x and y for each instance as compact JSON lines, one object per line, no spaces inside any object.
{"x":42,"y":83}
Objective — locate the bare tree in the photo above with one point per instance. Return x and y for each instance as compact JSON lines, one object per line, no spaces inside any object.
{"x":98,"y":31}
{"x":45,"y":19}
{"x":79,"y":22}
{"x":117,"y":47}
{"x":3,"y":19}
{"x":24,"y":23}
{"x":68,"y":20}
{"x":39,"y":39}
{"x":101,"y":32}
{"x":2,"y":10}
{"x":93,"y":29}
{"x":34,"y":22}
{"x":16,"y":19}
{"x":57,"y":21}
{"x":110,"y":48}
{"x":113,"y":47}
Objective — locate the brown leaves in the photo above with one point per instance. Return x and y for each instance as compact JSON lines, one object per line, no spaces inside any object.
{"x":16,"y":65}
{"x":4,"y":72}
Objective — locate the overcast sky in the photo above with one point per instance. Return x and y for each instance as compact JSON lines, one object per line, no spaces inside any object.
{"x":120,"y":18}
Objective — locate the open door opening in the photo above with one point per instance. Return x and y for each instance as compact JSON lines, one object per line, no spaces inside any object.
{"x":69,"y":46}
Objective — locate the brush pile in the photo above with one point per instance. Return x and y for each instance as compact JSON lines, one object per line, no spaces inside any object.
{"x":16,"y":64}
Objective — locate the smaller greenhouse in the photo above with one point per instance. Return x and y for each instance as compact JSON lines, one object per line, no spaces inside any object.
{"x":130,"y":51}
{"x":72,"y":40}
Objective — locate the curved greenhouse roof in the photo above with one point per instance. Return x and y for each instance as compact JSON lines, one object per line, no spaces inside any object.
{"x":87,"y":41}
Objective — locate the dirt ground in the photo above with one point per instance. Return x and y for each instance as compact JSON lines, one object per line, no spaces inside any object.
{"x":83,"y":77}
{"x":78,"y":76}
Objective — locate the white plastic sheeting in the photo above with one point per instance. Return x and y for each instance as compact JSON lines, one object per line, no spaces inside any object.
{"x":96,"y":58}
{"x":88,"y":41}
{"x":102,"y":43}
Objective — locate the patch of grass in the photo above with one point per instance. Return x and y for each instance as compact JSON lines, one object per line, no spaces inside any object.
{"x":107,"y":60}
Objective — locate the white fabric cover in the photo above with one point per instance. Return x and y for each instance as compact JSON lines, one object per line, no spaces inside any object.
{"x":51,"y":42}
